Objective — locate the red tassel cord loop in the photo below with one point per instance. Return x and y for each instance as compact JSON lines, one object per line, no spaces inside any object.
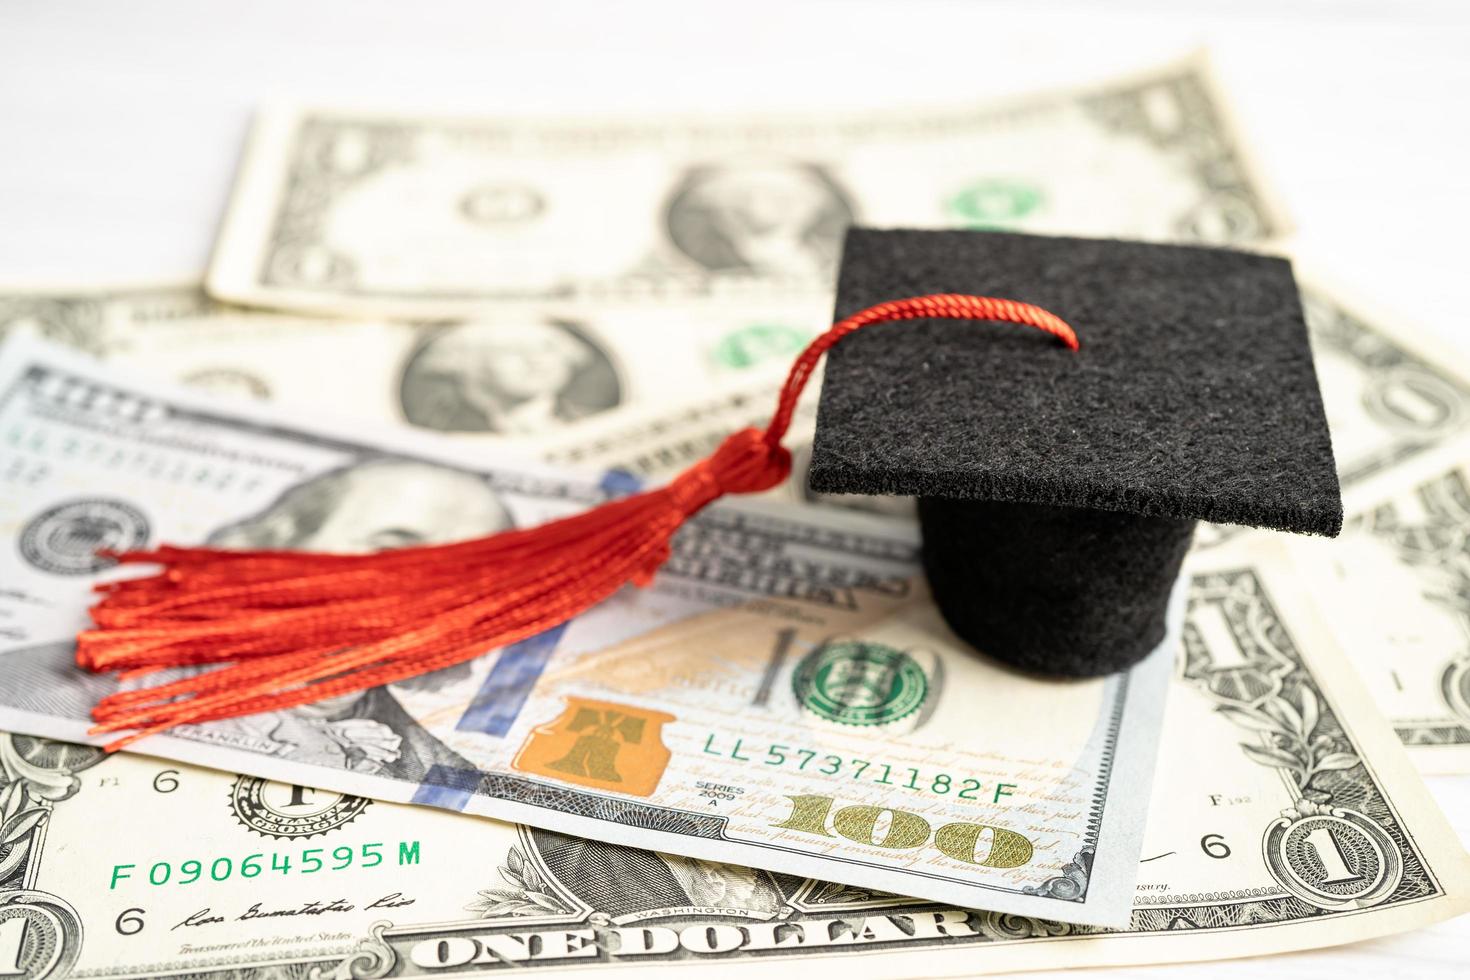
{"x":939,"y":306}
{"x":268,"y":630}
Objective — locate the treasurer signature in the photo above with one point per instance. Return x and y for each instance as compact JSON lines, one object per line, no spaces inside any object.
{"x":208,"y":917}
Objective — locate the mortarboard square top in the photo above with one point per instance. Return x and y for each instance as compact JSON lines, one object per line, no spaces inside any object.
{"x":1193,"y":394}
{"x":1058,"y":489}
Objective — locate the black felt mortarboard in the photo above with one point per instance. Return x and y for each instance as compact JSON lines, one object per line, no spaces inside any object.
{"x":1058,"y":490}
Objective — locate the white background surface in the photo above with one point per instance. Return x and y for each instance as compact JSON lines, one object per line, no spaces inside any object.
{"x":121,"y":123}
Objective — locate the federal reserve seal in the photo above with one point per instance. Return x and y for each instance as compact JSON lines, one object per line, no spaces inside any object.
{"x":857,"y":683}
{"x":64,"y":540}
{"x":284,"y":811}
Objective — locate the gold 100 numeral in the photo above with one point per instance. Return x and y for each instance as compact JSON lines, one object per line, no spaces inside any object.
{"x":972,"y":843}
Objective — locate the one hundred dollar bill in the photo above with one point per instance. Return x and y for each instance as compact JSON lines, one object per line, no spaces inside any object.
{"x":1284,"y":816}
{"x":359,"y":212}
{"x":784,"y":696}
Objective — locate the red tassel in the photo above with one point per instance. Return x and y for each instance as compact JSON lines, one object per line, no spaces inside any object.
{"x":293,"y":627}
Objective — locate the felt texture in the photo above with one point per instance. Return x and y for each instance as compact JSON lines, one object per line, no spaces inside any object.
{"x":1052,"y":590}
{"x":1193,"y":394}
{"x":1059,"y":490}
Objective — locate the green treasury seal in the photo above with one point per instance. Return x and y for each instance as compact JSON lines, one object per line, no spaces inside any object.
{"x":858,"y":683}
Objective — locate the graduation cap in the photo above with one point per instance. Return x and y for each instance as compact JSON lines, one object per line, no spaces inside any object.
{"x":1058,"y":487}
{"x":1058,"y":490}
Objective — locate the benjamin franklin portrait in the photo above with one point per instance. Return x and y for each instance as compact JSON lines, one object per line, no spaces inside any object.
{"x":506,"y":378}
{"x":760,"y":218}
{"x":367,"y":506}
{"x":372,"y":505}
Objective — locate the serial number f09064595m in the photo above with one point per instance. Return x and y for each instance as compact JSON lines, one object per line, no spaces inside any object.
{"x":309,"y":861}
{"x":969,"y":843}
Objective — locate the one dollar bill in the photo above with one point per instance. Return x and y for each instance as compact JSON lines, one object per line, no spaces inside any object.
{"x":783,"y":696}
{"x":1396,"y":586}
{"x":360,"y":212}
{"x":511,"y":376}
{"x":1284,"y":817}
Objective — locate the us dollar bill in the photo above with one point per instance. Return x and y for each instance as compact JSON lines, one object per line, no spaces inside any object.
{"x":102,"y":320}
{"x":1284,"y":816}
{"x":1397,"y":588}
{"x":351,"y":212}
{"x":1394,"y":391}
{"x":509,"y":376}
{"x":784,"y":695}
{"x":653,"y":388}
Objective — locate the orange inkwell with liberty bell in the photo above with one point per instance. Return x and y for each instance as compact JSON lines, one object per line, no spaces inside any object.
{"x":600,"y":744}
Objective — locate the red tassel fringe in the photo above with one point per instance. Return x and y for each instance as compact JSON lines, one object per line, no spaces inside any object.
{"x":290,"y":628}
